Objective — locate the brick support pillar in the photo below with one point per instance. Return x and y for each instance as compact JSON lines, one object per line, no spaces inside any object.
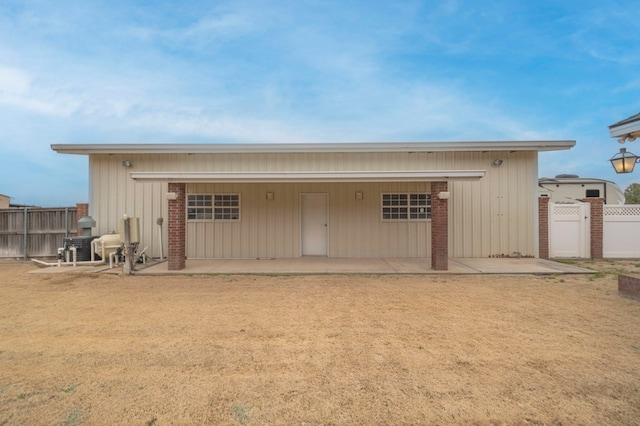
{"x":543,"y":227}
{"x":597,"y":217}
{"x":176,"y":227}
{"x":82,"y":210}
{"x":439,"y":228}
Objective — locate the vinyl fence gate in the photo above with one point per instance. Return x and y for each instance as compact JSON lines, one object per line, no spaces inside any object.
{"x":569,"y":235}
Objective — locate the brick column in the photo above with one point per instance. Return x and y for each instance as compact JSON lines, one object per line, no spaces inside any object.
{"x":597,"y":213}
{"x":439,"y":228}
{"x":176,"y":227}
{"x":82,"y":210}
{"x":543,"y":227}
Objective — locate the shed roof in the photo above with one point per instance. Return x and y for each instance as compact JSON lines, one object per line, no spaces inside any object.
{"x":228,"y":148}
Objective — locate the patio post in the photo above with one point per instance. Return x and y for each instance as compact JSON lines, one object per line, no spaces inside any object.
{"x":543,"y":227}
{"x":439,"y":227}
{"x":597,"y":226}
{"x":176,"y":227}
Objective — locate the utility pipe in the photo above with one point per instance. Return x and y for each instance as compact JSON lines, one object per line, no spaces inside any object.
{"x":74,"y":252}
{"x":80,"y":262}
{"x":112,"y":258}
{"x":159,"y":222}
{"x":60,"y":251}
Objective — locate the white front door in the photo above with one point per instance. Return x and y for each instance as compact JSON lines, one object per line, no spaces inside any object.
{"x":314,"y":229}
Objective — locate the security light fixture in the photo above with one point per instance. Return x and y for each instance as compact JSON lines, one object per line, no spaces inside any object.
{"x":497,"y":162}
{"x":126,"y":164}
{"x":624,"y":162}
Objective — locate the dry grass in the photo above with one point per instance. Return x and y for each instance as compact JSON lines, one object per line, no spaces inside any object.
{"x":313,"y":350}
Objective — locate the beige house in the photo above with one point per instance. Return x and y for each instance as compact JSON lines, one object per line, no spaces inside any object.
{"x":427,"y":200}
{"x":4,"y":201}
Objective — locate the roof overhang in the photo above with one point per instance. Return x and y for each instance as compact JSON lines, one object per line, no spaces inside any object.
{"x":628,"y":127}
{"x":328,"y":176}
{"x":238,"y":148}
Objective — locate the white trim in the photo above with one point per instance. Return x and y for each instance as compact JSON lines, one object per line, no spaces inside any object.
{"x":329,"y":176}
{"x":626,"y":128}
{"x":409,"y":147}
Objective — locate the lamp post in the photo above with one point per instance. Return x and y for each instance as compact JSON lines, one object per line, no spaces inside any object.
{"x":624,"y":162}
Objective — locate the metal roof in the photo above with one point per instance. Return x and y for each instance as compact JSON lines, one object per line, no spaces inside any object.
{"x":227,"y":148}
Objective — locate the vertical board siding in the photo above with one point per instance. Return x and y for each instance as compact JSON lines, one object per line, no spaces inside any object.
{"x":114,"y":193}
{"x":488,"y":217}
{"x":45,"y":232}
{"x":271,"y":228}
{"x":494,"y":216}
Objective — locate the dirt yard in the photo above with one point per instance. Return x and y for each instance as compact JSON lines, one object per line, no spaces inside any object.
{"x":318,"y":350}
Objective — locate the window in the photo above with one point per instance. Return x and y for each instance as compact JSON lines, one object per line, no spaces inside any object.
{"x":199,"y":207}
{"x":213,"y":207}
{"x":226,"y":207}
{"x":593,"y":193}
{"x":415,"y":206}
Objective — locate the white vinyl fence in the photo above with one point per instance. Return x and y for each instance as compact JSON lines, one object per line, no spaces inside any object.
{"x":621,"y":231}
{"x":570,"y":224}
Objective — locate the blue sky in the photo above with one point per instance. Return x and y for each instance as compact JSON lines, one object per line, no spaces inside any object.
{"x":123,"y":71}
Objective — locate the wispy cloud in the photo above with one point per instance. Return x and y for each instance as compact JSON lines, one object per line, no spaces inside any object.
{"x":304,"y":71}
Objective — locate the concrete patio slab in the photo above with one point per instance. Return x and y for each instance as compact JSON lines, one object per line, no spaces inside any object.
{"x":517,"y":266}
{"x":324,"y":265}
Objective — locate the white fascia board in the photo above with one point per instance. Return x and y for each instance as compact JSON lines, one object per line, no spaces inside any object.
{"x":238,"y":148}
{"x":275,"y":177}
{"x":625,"y":129}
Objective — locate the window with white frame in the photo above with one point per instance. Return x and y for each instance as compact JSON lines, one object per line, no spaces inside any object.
{"x":406,"y":206}
{"x":199,"y":207}
{"x":226,"y":207}
{"x":219,"y":207}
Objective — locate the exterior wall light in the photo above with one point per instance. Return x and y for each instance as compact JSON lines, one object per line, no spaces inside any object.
{"x":269,"y":195}
{"x":444,"y":195}
{"x":624,"y":162}
{"x":498,"y":162}
{"x":359,"y":195}
{"x":126,"y":164}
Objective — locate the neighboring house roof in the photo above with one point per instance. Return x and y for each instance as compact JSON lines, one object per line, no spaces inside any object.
{"x":629,"y":127}
{"x":574,"y":187}
{"x":573,"y":179}
{"x":87,"y":149}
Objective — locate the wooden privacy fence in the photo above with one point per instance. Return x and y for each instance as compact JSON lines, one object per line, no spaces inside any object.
{"x":30,"y":232}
